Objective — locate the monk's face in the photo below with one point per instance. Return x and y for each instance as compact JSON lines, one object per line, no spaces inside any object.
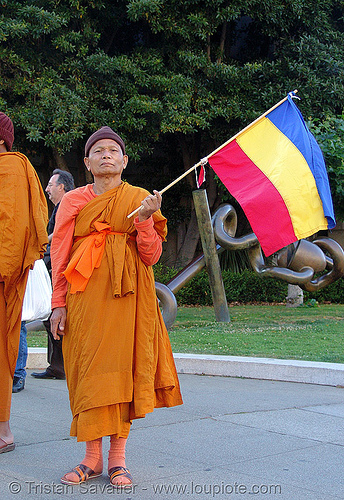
{"x":106,"y":159}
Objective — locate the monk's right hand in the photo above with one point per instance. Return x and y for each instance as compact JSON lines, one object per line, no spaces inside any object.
{"x":58,"y":321}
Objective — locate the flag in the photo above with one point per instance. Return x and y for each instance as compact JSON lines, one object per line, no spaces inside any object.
{"x":200,"y":178}
{"x":276,"y":171}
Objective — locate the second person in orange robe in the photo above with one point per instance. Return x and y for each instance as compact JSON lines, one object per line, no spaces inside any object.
{"x":23,"y":237}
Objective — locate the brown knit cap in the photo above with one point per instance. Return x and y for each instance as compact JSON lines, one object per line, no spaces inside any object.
{"x":6,"y":130}
{"x":103,"y":133}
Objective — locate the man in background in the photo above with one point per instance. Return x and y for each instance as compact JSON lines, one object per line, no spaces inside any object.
{"x":20,"y":371}
{"x":59,"y":184}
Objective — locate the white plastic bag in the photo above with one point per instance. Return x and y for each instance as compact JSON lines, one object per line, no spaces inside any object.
{"x":37,"y":298}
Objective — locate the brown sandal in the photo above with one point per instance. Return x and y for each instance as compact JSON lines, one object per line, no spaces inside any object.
{"x":83,"y":472}
{"x":115,"y":472}
{"x":4,"y":447}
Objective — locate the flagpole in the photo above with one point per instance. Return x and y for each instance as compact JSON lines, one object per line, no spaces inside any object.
{"x":169,"y":186}
{"x":217,"y":149}
{"x":251,"y":124}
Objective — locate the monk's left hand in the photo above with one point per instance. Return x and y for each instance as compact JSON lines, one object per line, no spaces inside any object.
{"x":149,"y":205}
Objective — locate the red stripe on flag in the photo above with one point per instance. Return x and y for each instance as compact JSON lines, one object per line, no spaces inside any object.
{"x":200,"y":178}
{"x":262,"y":203}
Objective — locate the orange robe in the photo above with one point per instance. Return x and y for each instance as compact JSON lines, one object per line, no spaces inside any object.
{"x":118,"y":359}
{"x":23,"y":237}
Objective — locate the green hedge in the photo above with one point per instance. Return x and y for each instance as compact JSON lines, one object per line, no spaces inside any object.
{"x":333,"y":293}
{"x":245,"y":287}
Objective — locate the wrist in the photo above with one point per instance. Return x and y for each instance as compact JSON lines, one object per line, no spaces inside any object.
{"x":142,"y":218}
{"x":143,"y":223}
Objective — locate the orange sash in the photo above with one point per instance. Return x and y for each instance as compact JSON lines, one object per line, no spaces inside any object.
{"x":87,"y":257}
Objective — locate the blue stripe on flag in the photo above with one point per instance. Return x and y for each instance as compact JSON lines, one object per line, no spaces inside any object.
{"x":289,"y":120}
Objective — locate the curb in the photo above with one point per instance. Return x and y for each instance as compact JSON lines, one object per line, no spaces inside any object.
{"x":37,"y":358}
{"x":307,"y":372}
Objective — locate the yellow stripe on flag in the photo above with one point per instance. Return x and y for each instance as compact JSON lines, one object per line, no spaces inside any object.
{"x":286,"y":168}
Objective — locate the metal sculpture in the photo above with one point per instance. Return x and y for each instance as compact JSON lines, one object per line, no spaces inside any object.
{"x":297,"y":263}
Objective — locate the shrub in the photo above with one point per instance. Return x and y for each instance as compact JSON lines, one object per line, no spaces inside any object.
{"x":163,"y":274}
{"x":244,"y":287}
{"x":239,"y":287}
{"x":333,"y":293}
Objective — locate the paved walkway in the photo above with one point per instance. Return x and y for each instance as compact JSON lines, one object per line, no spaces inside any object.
{"x":233,"y":438}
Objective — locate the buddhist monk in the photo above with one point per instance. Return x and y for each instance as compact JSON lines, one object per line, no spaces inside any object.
{"x":23,"y":237}
{"x":118,"y":359}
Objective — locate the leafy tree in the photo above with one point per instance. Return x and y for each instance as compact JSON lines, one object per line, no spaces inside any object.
{"x":329,"y":133}
{"x":224,"y":63}
{"x":176,"y":79}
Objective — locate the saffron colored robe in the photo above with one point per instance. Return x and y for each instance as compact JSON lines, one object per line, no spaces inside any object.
{"x":23,"y":237}
{"x":118,"y":359}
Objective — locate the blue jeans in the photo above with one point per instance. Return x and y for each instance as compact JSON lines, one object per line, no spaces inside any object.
{"x":20,"y":371}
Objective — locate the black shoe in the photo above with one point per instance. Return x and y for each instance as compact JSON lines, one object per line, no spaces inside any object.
{"x":18,"y":384}
{"x":47,"y":374}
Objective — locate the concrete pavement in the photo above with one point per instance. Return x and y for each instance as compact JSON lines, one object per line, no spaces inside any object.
{"x":232,"y":438}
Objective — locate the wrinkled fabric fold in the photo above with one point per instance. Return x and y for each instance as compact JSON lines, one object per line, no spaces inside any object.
{"x":88,"y":257}
{"x":120,"y":262}
{"x":23,"y":237}
{"x":114,"y":326}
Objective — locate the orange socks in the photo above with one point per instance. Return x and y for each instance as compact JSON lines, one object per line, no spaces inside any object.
{"x":94,"y":455}
{"x":93,"y":459}
{"x":117,"y":452}
{"x":120,"y":476}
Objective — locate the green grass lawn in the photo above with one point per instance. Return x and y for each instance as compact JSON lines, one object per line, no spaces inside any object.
{"x":37,"y":339}
{"x":273,"y":331}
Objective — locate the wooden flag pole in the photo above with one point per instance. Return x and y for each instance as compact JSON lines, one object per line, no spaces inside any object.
{"x":180,"y":177}
{"x":216,"y":150}
{"x":251,"y":124}
{"x":169,"y":186}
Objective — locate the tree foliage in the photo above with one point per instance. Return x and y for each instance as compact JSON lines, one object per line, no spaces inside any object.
{"x":329,"y":133}
{"x":174,"y":78}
